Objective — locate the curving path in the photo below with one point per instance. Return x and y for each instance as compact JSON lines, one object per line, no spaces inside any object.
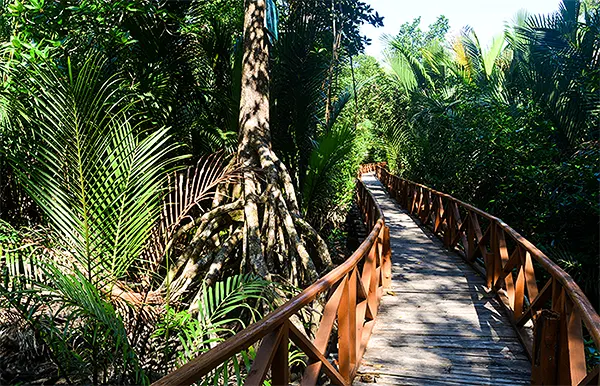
{"x":438,"y":324}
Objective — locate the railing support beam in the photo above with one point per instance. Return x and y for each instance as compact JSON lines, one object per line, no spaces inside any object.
{"x":508,"y":266}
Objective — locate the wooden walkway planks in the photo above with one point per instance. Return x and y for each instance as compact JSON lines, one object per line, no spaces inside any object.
{"x":438,"y":324}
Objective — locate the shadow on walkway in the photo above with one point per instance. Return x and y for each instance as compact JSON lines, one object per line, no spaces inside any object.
{"x":438,"y":324}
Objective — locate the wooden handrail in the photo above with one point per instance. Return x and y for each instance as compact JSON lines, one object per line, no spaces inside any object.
{"x":550,"y":320}
{"x":355,"y":291}
{"x":370,"y":168}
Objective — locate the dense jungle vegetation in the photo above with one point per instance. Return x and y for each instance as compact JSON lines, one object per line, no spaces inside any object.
{"x":512,"y":127}
{"x":165,"y":180}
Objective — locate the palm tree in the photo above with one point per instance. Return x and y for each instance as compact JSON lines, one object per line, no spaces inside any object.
{"x":560,"y":63}
{"x":96,"y":176}
{"x":98,"y":179}
{"x":481,"y":64}
{"x":102,"y":183}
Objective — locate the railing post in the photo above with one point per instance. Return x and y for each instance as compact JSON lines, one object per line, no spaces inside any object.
{"x":426,"y":207}
{"x":373,"y":278}
{"x":373,"y":216}
{"x":571,"y":349}
{"x":265,"y":356}
{"x":280,"y":369}
{"x":438,"y":213}
{"x":490,"y":258}
{"x":500,"y":260}
{"x":347,"y":328}
{"x":387,"y":258}
{"x":420,"y":202}
{"x":545,"y":349}
{"x":449,"y":225}
{"x":471,"y":237}
{"x":519,"y":287}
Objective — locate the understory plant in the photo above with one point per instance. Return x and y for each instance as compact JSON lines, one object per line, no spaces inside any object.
{"x":85,"y":284}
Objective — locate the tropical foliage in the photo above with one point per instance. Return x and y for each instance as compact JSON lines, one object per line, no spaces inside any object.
{"x":139,"y":227}
{"x":123,"y":250}
{"x":511,"y":127}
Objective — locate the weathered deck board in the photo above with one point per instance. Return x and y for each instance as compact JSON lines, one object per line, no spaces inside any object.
{"x":438,"y":325}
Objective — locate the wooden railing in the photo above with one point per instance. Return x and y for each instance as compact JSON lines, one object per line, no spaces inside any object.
{"x":353,"y":289}
{"x":552,"y":319}
{"x":370,"y":168}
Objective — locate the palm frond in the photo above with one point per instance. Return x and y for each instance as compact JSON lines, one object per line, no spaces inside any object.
{"x":406,"y":66}
{"x":84,"y":333}
{"x":96,"y":175}
{"x":18,"y":251}
{"x":562,"y":55}
{"x":222,"y":309}
{"x":492,"y":54}
{"x":330,"y":149}
{"x":190,"y":192}
{"x":339,"y":104}
{"x":82,"y":302}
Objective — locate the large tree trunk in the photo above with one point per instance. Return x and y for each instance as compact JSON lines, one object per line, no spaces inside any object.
{"x":258,"y":212}
{"x":270,"y":206}
{"x":254,"y":133}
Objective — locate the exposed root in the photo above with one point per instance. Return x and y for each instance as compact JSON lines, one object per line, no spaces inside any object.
{"x":261,"y":211}
{"x":318,"y":242}
{"x":309,"y":269}
{"x":217,"y":264}
{"x":207,"y":223}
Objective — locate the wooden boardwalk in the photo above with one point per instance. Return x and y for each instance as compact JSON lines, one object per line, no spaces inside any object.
{"x":438,"y":324}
